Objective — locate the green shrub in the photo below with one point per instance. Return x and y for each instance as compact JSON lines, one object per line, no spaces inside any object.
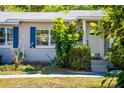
{"x":7,"y":67}
{"x":117,"y":58}
{"x":25,"y":67}
{"x":11,"y":67}
{"x":80,"y":57}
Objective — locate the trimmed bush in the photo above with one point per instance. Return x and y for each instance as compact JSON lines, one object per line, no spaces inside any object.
{"x":80,"y":57}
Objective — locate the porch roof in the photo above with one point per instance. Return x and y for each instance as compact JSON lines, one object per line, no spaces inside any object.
{"x":50,"y":16}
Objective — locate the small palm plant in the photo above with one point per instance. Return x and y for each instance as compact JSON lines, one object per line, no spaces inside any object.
{"x":18,"y":57}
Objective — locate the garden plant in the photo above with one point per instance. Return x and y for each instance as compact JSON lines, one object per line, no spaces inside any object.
{"x":18,"y":57}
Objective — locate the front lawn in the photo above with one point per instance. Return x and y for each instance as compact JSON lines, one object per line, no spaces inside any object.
{"x":12,"y":72}
{"x":52,"y":83}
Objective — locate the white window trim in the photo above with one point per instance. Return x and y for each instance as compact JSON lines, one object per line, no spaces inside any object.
{"x":45,"y":46}
{"x":6,"y":45}
{"x":49,"y":40}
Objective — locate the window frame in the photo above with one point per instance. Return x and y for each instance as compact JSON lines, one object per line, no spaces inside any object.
{"x":49,"y":39}
{"x":6,"y":41}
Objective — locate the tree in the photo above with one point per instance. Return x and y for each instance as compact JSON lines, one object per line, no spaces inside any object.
{"x":65,"y":37}
{"x":111,"y":27}
{"x":55,"y":8}
{"x":43,"y":8}
{"x":14,"y":8}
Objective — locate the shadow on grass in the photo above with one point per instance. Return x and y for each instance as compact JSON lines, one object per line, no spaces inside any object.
{"x":62,"y":71}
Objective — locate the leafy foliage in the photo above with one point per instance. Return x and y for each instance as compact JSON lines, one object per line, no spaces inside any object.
{"x":117,"y":58}
{"x":25,"y":68}
{"x":55,"y":8}
{"x":111,"y":27}
{"x":7,"y":67}
{"x":65,"y":37}
{"x":44,"y":8}
{"x":115,"y":74}
{"x":11,"y":67}
{"x":80,"y":57}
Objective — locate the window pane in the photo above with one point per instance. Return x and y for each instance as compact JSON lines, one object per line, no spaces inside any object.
{"x":42,"y":37}
{"x":45,"y":31}
{"x":9,"y":36}
{"x":42,"y":41}
{"x":9,"y":41}
{"x":38,"y":32}
{"x":42,"y":32}
{"x":2,"y":36}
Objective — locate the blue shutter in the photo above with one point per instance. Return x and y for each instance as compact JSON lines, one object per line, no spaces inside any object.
{"x":32,"y":37}
{"x":15,"y":37}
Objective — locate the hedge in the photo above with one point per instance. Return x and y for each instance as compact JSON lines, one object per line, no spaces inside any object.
{"x":80,"y":57}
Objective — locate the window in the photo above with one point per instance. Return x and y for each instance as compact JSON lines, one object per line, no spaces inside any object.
{"x":2,"y":36}
{"x":6,"y":36}
{"x":44,"y":38}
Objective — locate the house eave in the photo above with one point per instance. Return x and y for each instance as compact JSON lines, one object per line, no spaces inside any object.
{"x":96,"y":18}
{"x":9,"y":23}
{"x":17,"y":21}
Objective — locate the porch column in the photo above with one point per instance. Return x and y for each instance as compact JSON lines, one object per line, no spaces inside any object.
{"x":85,"y":32}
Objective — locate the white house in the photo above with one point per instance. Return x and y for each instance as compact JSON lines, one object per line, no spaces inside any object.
{"x":31,"y":30}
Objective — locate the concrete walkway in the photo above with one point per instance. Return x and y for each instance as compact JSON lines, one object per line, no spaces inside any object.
{"x":45,"y":75}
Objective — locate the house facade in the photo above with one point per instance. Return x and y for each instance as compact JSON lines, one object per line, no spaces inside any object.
{"x":31,"y":31}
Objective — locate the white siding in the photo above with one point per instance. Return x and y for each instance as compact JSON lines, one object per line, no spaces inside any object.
{"x":34,"y":54}
{"x":37,"y":54}
{"x":7,"y":56}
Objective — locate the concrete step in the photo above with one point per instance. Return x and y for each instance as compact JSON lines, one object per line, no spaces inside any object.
{"x":99,"y":66}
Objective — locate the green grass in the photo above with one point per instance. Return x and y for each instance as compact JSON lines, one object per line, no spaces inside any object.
{"x":52,"y":83}
{"x":49,"y":82}
{"x":12,"y":72}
